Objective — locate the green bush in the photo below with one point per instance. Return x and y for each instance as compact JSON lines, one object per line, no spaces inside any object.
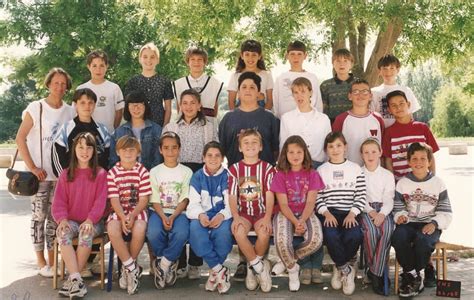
{"x":453,"y":112}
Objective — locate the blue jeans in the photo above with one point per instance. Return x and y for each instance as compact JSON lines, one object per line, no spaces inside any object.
{"x":342,"y":243}
{"x":213,"y":245}
{"x":167,"y":243}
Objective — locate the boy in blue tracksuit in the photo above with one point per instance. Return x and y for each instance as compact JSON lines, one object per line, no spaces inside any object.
{"x":210,"y":217}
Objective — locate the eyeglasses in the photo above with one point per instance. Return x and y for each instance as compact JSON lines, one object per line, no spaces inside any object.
{"x":360,"y":92}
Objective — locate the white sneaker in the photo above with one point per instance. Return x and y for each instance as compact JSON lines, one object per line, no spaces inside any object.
{"x":316,"y":276}
{"x":133,"y":282}
{"x":182,"y":272}
{"x":223,"y":280}
{"x":46,"y":271}
{"x":348,"y":285}
{"x":123,"y":278}
{"x":194,"y":272}
{"x":305,"y":276}
{"x":86,"y":273}
{"x":264,"y":278}
{"x":278,"y":268}
{"x":294,"y":278}
{"x":78,"y":289}
{"x":64,"y":291}
{"x":336,"y":279}
{"x":211,"y":283}
{"x":250,"y":280}
{"x":170,"y":277}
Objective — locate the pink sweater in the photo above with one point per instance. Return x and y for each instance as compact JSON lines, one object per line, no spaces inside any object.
{"x":81,"y":198}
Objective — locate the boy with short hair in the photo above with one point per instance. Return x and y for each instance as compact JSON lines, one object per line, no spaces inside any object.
{"x":251,"y":204}
{"x":207,"y":86}
{"x":168,"y":230}
{"x":389,"y":67}
{"x":398,"y":137}
{"x":128,"y":185}
{"x":282,"y":96}
{"x":110,"y":103}
{"x":334,"y":91}
{"x":358,"y":123}
{"x":421,"y":211}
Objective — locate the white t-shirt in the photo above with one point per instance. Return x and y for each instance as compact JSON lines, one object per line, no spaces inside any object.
{"x":312,"y":126}
{"x":109,"y":100}
{"x":379,"y":104}
{"x":380,"y":188}
{"x":52,"y":120}
{"x":283,"y":100}
{"x":266,"y":84}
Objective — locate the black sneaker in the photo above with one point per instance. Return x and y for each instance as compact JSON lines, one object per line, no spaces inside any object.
{"x":241,"y":272}
{"x":411,"y":286}
{"x":377,"y":283}
{"x":430,"y":276}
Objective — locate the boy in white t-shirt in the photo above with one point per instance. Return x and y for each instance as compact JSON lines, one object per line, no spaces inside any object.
{"x":208,"y":87}
{"x":283,"y":100}
{"x":110,"y":103}
{"x":389,"y":67}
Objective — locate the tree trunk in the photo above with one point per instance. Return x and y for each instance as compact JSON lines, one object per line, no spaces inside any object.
{"x":386,"y":40}
{"x":339,"y":40}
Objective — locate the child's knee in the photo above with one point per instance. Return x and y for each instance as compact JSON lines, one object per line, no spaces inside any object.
{"x":139,"y":227}
{"x":114,"y":228}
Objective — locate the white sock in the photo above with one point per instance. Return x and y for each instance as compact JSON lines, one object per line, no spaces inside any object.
{"x":260,"y":257}
{"x":257,"y":265}
{"x":294,"y":269}
{"x":76,"y":275}
{"x":165,"y":264}
{"x":217,"y":268}
{"x":413,"y":272}
{"x":129,"y":264}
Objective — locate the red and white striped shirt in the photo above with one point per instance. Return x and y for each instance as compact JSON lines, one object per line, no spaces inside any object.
{"x":399,"y":137}
{"x":128,"y":186}
{"x":250,"y":184}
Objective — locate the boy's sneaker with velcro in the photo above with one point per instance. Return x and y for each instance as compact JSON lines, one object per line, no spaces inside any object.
{"x":77,"y":289}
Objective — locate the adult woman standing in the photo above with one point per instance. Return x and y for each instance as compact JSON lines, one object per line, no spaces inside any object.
{"x":41,"y":121}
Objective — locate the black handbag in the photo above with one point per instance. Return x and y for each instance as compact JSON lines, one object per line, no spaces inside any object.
{"x":25,"y":183}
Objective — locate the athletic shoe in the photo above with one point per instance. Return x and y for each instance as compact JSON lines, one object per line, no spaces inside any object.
{"x":241,"y":272}
{"x":278,"y":268}
{"x":159,"y":274}
{"x":170,"y":278}
{"x":316,"y":276}
{"x":250,"y":280}
{"x":430,"y":276}
{"x":64,"y":291}
{"x":132,"y":280}
{"x":223,"y":280}
{"x":46,"y":271}
{"x":182,"y":272}
{"x":86,"y":273}
{"x":368,"y":277}
{"x":77,"y":289}
{"x":336,"y":278}
{"x":211,"y":283}
{"x":294,"y":278}
{"x":348,"y":285}
{"x":264,"y":278}
{"x":194,"y":272}
{"x":377,"y":283}
{"x":123,"y":278}
{"x":305,"y":277}
{"x":411,"y":286}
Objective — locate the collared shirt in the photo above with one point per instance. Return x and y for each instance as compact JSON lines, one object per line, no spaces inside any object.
{"x":334,"y":93}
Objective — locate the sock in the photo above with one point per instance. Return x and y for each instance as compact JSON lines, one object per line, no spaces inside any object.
{"x":165,"y":264}
{"x":413,"y":272}
{"x":76,"y":276}
{"x":217,"y":268}
{"x":257,"y":265}
{"x":260,"y":257}
{"x":294,"y":269}
{"x":345,"y":269}
{"x":129,"y":264}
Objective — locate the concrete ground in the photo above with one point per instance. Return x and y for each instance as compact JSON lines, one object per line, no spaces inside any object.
{"x":18,"y":279}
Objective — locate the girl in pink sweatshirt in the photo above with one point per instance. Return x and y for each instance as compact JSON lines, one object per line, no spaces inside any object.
{"x":78,"y":207}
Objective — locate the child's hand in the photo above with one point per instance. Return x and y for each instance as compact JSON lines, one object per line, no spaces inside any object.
{"x":235,"y":225}
{"x":267,"y":226}
{"x":216,"y":221}
{"x":166,"y":223}
{"x":350,"y":221}
{"x":428,"y":228}
{"x":87,"y":227}
{"x":130,"y":222}
{"x":378,"y":219}
{"x":402,"y":220}
{"x":64,"y":227}
{"x":330,"y":220}
{"x":204,"y":220}
{"x":124,"y":224}
{"x":300,"y":228}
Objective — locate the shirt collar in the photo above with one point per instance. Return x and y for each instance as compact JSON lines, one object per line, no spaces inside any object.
{"x":339,"y":81}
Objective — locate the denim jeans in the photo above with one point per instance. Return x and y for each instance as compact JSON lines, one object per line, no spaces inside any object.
{"x":213,"y":245}
{"x":167,"y":243}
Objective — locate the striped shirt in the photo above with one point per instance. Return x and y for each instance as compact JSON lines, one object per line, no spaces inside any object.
{"x":128,"y":186}
{"x":250,"y":184}
{"x":399,"y":137}
{"x":344,"y":188}
{"x":423,"y":200}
